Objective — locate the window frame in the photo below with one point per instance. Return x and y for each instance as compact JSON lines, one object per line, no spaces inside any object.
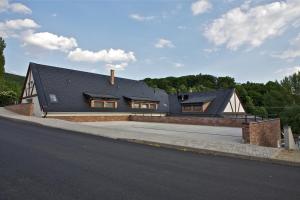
{"x":105,"y":103}
{"x":148,"y":105}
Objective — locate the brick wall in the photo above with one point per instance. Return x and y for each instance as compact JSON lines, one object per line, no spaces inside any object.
{"x":91,"y":118}
{"x":265,"y":133}
{"x":22,"y":109}
{"x":207,"y":121}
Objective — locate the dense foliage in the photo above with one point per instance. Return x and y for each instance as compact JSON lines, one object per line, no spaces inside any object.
{"x":273,"y":99}
{"x":10,"y":85}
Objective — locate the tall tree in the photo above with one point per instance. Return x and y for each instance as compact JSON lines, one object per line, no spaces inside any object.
{"x":2,"y":59}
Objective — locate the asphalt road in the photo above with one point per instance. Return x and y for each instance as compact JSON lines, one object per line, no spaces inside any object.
{"x":43,"y":163}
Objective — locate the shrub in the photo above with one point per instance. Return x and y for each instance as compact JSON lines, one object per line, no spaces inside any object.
{"x":8,"y":97}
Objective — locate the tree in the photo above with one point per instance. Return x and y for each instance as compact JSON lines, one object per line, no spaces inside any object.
{"x":225,"y":82}
{"x":291,"y":116}
{"x":2,"y":59}
{"x":292,"y":83}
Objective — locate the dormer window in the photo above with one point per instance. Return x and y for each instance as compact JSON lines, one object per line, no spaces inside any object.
{"x":101,"y":100}
{"x":197,"y":104}
{"x":142,"y":103}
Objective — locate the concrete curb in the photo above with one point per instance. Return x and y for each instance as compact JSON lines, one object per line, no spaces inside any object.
{"x":215,"y":153}
{"x":170,"y":146}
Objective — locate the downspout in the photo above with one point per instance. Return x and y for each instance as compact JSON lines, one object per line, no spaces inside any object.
{"x":45,"y":114}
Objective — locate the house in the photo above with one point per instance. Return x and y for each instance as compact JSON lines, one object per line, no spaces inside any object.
{"x":62,"y":93}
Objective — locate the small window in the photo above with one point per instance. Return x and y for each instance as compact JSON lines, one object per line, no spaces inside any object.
{"x":53,"y":98}
{"x":135,"y":105}
{"x":144,"y":106}
{"x":109,"y":105}
{"x":187,"y":108}
{"x":152,"y":106}
{"x":103,"y":104}
{"x":98,"y":104}
{"x":197,"y":108}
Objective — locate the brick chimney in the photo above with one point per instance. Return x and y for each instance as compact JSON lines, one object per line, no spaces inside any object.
{"x":112,"y":77}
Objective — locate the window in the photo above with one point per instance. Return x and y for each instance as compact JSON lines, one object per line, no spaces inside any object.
{"x":186,"y":108}
{"x":53,"y":98}
{"x":152,"y":106}
{"x":135,"y":105}
{"x":195,"y":108}
{"x":98,"y":104}
{"x":109,"y":104}
{"x":144,"y":105}
{"x":103,"y":104}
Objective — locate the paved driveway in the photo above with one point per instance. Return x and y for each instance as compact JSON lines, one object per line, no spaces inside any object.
{"x":217,"y":134}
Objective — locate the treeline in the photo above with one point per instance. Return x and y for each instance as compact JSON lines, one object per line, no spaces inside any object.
{"x":273,"y":99}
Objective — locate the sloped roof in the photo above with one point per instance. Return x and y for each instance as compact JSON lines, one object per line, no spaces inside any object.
{"x":199,"y":99}
{"x":99,"y":96}
{"x":141,"y":99}
{"x":219,"y":100}
{"x":69,"y":85}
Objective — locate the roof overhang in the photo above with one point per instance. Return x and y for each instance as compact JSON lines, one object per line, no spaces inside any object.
{"x":140,"y":99}
{"x":195,"y":100}
{"x":94,"y":96}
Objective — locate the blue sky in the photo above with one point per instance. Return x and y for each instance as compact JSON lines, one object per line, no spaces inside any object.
{"x":246,"y":39}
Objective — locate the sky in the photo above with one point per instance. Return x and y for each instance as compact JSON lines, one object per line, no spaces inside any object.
{"x":250,"y":40}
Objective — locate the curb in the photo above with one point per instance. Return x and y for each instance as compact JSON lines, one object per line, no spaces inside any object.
{"x":171,"y":146}
{"x":215,"y":153}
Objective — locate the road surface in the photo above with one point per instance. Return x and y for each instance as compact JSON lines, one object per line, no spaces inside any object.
{"x":37,"y":162}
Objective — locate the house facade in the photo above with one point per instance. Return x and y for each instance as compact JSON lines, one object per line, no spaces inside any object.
{"x":58,"y":92}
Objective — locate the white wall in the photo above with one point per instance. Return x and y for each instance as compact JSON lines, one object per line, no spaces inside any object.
{"x":36,"y":108}
{"x":234,"y":105}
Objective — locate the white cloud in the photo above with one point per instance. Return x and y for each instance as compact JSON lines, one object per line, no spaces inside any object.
{"x":120,"y":66}
{"x":14,"y":7}
{"x":12,"y":28}
{"x":291,"y":53}
{"x":50,"y":41}
{"x":141,"y":18}
{"x":201,"y":6}
{"x":252,"y":26}
{"x":288,"y":71}
{"x":20,"y":8}
{"x":164,"y":43}
{"x":108,"y":56}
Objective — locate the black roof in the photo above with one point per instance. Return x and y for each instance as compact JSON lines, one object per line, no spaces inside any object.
{"x":198,"y":99}
{"x":72,"y":87}
{"x":91,"y":96}
{"x":219,"y":100}
{"x":141,"y":99}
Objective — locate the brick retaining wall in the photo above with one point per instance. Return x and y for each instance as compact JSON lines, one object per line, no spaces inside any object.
{"x":91,"y":118}
{"x":207,"y":121}
{"x":22,"y":109}
{"x":265,"y":133}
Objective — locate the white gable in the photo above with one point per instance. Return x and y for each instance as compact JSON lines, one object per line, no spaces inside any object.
{"x":29,"y":89}
{"x":234,"y":105}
